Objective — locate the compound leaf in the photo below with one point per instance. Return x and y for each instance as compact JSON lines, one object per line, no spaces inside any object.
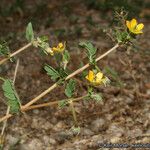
{"x":12,"y":99}
{"x":54,"y":74}
{"x":70,"y":88}
{"x":91,"y":50}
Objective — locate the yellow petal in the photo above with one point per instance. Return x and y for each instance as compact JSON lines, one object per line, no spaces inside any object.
{"x":133,"y":23}
{"x":99,"y":76}
{"x":60,"y":45}
{"x":55,"y":48}
{"x":137,"y":32}
{"x":90,"y":76}
{"x":140,"y":26}
{"x":128,"y":24}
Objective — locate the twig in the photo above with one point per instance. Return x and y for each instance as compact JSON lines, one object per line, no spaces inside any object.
{"x":48,"y":104}
{"x":8,"y":108}
{"x":15,"y":53}
{"x":73,"y":113}
{"x":15,"y":73}
{"x":42,"y":105}
{"x":23,"y":108}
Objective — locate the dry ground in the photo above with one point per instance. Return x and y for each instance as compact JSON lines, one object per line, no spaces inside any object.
{"x":124,"y":114}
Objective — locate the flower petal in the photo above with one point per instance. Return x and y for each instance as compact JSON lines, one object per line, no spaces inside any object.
{"x":137,"y":32}
{"x":140,"y":26}
{"x":54,"y":48}
{"x":90,"y":76}
{"x":133,"y":23}
{"x":60,"y":45}
{"x":128,"y":24}
{"x":99,"y":75}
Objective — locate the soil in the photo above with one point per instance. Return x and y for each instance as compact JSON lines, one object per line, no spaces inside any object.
{"x":124,"y":114}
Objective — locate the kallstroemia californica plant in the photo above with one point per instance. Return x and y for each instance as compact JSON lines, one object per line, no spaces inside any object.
{"x":123,"y":34}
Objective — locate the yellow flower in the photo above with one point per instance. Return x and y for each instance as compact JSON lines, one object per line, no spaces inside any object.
{"x":60,"y":48}
{"x":96,"y":78}
{"x":134,"y":27}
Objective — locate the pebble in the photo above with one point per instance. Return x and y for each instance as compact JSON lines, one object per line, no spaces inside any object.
{"x":135,"y":132}
{"x":61,"y":137}
{"x":59,"y":126}
{"x":115,"y":130}
{"x":34,"y":144}
{"x":97,"y":125}
{"x":12,"y":140}
{"x":48,"y":140}
{"x":36,"y":111}
{"x":86,"y":132}
{"x":115,"y":139}
{"x":129,"y":101}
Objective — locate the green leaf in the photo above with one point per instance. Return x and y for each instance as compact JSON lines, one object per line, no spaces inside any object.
{"x":12,"y":98}
{"x":4,"y":49}
{"x":76,"y":130}
{"x":122,"y":36}
{"x":63,"y":73}
{"x":96,"y":96}
{"x":91,"y":51}
{"x":70,"y":88}
{"x":62,"y":103}
{"x":29,"y":32}
{"x":66,"y":56}
{"x":44,"y":38}
{"x":54,"y":74}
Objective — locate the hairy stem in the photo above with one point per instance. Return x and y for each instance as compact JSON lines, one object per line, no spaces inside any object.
{"x":15,"y":53}
{"x":73,"y":113}
{"x":48,"y":104}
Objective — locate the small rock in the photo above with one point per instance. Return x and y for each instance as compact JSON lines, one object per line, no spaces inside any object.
{"x":115,"y":130}
{"x":61,"y":137}
{"x":129,"y":101}
{"x":47,"y":125}
{"x":109,"y":116}
{"x":148,"y":92}
{"x":52,"y":141}
{"x":59,"y":126}
{"x":12,"y":140}
{"x":34,"y":144}
{"x":36,"y":111}
{"x":48,"y":140}
{"x":135,"y":132}
{"x":98,"y":125}
{"x":54,"y":120}
{"x":145,"y":140}
{"x":86,"y":132}
{"x":115,"y":139}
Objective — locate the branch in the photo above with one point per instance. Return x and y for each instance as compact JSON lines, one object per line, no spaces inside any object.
{"x":48,"y":104}
{"x":28,"y":105}
{"x":15,"y":53}
{"x":42,"y":105}
{"x":68,"y":77}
